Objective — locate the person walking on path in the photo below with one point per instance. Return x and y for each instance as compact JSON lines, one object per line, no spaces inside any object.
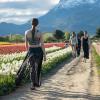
{"x":85,"y":45}
{"x":35,"y":45}
{"x":78,"y":48}
{"x":73,"y":43}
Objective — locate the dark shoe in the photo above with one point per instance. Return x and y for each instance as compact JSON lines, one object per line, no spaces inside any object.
{"x":37,"y":85}
{"x":32,"y":88}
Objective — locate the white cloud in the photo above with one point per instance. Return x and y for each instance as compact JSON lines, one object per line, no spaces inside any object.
{"x":55,"y":1}
{"x":24,"y":9}
{"x":21,"y":12}
{"x":15,"y":20}
{"x":3,"y":1}
{"x":19,"y":15}
{"x":52,"y":1}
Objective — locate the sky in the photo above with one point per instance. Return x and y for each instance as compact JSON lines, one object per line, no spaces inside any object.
{"x":20,"y":11}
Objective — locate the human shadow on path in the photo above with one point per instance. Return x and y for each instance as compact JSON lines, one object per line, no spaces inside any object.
{"x":55,"y":95}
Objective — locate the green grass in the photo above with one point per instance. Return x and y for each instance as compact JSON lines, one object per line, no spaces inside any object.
{"x":7,"y":84}
{"x":97,"y":60}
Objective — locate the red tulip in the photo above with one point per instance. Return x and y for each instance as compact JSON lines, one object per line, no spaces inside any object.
{"x":8,"y":49}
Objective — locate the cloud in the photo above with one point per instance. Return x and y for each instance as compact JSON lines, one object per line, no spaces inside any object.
{"x":16,"y":20}
{"x":3,"y":1}
{"x":19,"y":16}
{"x":20,"y":12}
{"x":24,"y":9}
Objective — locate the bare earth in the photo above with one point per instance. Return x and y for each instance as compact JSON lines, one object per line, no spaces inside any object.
{"x":69,"y":81}
{"x":97,"y":47}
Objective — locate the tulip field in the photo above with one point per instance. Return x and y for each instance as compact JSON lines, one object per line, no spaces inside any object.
{"x":11,"y":58}
{"x":9,"y":63}
{"x":17,"y":48}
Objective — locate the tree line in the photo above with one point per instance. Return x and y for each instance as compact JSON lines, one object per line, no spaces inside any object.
{"x":57,"y":36}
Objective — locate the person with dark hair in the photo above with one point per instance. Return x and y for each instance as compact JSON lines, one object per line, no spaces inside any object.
{"x":35,"y":45}
{"x":78,"y":44}
{"x":73,"y":43}
{"x":85,"y":45}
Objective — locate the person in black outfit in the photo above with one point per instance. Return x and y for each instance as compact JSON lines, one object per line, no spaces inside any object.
{"x":78,"y":45}
{"x":85,"y":44}
{"x":35,"y":46}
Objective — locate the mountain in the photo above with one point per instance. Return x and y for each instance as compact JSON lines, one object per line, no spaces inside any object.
{"x":68,"y":15}
{"x":9,"y":28}
{"x":73,"y":15}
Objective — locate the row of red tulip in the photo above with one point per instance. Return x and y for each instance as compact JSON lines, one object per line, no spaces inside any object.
{"x":47,"y":45}
{"x":21,"y":47}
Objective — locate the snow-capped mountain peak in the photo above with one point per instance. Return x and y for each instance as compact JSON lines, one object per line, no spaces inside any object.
{"x":71,"y":3}
{"x":73,"y":15}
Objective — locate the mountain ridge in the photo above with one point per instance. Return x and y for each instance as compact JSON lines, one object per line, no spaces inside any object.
{"x":68,"y":15}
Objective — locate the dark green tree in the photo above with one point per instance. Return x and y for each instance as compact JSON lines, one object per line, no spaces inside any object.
{"x":59,"y":34}
{"x":4,"y":38}
{"x":98,"y":32}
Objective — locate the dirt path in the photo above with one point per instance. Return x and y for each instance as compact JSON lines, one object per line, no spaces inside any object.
{"x":94,"y":88}
{"x":70,"y":81}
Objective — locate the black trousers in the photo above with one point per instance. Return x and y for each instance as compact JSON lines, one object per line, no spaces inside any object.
{"x":86,"y":52}
{"x":78,"y":50}
{"x":35,"y":59}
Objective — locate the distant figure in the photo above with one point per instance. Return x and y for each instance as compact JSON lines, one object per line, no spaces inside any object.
{"x":85,"y":45}
{"x":66,"y":43}
{"x":73,"y":43}
{"x":78,"y":45}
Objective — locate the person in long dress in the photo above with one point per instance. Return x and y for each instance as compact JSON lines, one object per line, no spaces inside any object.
{"x":85,"y":45}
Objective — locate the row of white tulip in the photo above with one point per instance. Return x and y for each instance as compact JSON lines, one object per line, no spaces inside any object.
{"x":52,"y":48}
{"x":12,"y":67}
{"x":19,"y":56}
